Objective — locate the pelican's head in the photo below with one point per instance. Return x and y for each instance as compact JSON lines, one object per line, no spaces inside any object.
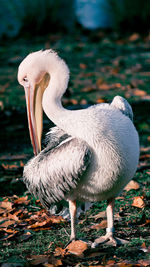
{"x":33,"y":77}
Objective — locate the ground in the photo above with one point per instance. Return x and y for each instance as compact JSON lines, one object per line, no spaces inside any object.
{"x":101,"y":67}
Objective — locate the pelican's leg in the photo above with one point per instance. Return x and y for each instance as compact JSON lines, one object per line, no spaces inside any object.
{"x":73,"y":211}
{"x":109,"y":237}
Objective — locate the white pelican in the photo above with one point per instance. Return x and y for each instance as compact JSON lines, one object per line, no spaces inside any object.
{"x":92,"y":153}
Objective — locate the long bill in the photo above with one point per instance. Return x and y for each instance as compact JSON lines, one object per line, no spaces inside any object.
{"x":34,"y":96}
{"x":35,"y":116}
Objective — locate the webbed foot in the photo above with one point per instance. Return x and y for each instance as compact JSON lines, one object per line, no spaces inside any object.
{"x":109,"y":240}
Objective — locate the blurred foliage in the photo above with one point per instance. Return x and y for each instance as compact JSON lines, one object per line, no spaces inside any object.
{"x":35,"y":16}
{"x":46,"y":16}
{"x":131,"y":16}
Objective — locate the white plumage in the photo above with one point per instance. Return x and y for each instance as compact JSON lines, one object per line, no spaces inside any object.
{"x":92,"y":153}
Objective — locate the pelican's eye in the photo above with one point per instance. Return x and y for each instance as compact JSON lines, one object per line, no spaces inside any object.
{"x":25,"y":79}
{"x":25,"y":82}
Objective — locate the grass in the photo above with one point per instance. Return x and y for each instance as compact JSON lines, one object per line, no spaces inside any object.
{"x":92,"y":60}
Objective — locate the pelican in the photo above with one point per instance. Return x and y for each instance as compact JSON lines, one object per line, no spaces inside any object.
{"x":91,"y":154}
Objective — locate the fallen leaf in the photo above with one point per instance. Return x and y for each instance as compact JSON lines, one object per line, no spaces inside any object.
{"x":21,"y":163}
{"x":138,"y":92}
{"x":138,"y":202}
{"x":45,"y":222}
{"x":83,"y":102}
{"x":38,"y":259}
{"x":110,"y":262}
{"x":59,"y":252}
{"x":132,"y":185}
{"x":147,"y":223}
{"x":88,"y":89}
{"x":144,"y":262}
{"x":99,"y":82}
{"x":6,"y":205}
{"x":101,"y":225}
{"x":127,"y":264}
{"x":73,"y":101}
{"x":12,"y":217}
{"x":136,"y":82}
{"x":22,"y":200}
{"x":53,"y":262}
{"x":7,"y":223}
{"x":9,"y":167}
{"x":100,"y":100}
{"x":83,"y":66}
{"x":145,"y":156}
{"x":104,"y":86}
{"x":134,"y":37}
{"x":77,"y":248}
{"x":40,"y":224}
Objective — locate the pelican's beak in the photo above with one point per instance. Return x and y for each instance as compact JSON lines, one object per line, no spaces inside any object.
{"x":33,"y":96}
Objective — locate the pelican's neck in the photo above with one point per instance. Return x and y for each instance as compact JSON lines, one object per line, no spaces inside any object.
{"x":52,"y":96}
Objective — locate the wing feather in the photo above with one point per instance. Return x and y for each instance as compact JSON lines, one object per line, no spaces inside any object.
{"x":55,"y":172}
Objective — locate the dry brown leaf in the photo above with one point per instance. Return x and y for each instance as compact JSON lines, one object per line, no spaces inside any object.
{"x":45,"y":223}
{"x":21,"y":163}
{"x":99,"y":82}
{"x":100,"y":100}
{"x":132,"y":185}
{"x":38,"y":259}
{"x":12,"y":217}
{"x":57,"y":219}
{"x":59,"y":252}
{"x":54,"y":263}
{"x":146,"y":223}
{"x":10,"y":231}
{"x":136,"y":82}
{"x":77,"y":248}
{"x":8,"y":237}
{"x":83,"y":102}
{"x":83,"y":66}
{"x":126,"y":264}
{"x":7,"y":223}
{"x":9,"y":167}
{"x":6,"y":205}
{"x":22,"y":200}
{"x":101,"y":225}
{"x":17,"y":212}
{"x":134,"y":37}
{"x":110,"y":262}
{"x":104,"y":86}
{"x":138,"y":92}
{"x":73,"y":101}
{"x":138,"y":202}
{"x":144,"y":262}
{"x":145,"y":156}
{"x":88,"y":89}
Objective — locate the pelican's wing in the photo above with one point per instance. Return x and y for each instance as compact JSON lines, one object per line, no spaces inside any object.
{"x":55,"y":136}
{"x":54,"y":173}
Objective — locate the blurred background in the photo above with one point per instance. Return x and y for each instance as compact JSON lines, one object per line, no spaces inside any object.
{"x":27,"y":17}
